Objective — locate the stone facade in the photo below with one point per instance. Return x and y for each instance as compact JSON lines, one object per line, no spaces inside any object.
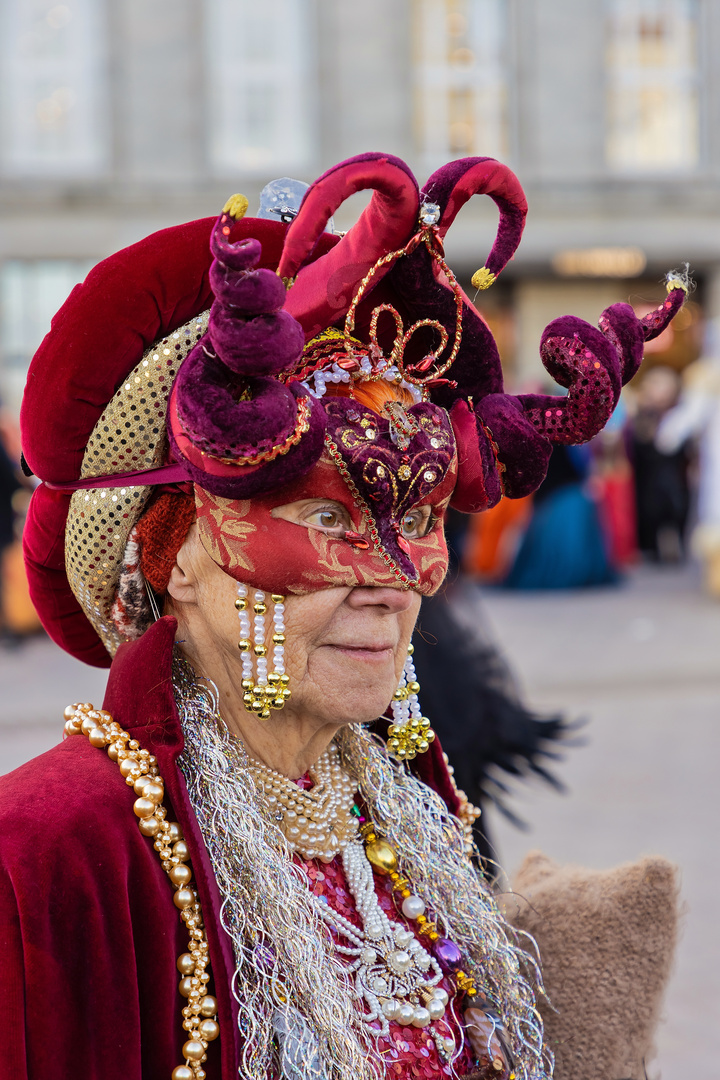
{"x":157,"y":98}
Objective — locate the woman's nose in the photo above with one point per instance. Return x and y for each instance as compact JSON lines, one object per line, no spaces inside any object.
{"x":394,"y":600}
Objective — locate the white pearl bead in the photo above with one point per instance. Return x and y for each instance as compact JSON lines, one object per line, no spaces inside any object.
{"x":406,"y":1015}
{"x":440,"y":994}
{"x":391,"y":1008}
{"x":400,"y":960}
{"x":436,"y":1009}
{"x":421,"y":1018}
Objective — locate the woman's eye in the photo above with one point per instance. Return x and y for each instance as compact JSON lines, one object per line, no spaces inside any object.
{"x":327,"y":518}
{"x":417,"y":523}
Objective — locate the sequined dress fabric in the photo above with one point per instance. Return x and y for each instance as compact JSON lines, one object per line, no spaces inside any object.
{"x":409,"y":1052}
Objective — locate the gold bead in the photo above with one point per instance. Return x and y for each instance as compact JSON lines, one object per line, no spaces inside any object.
{"x":287,"y":693}
{"x":88,"y":725}
{"x":260,"y":650}
{"x":154,"y":792}
{"x":97,"y":737}
{"x":174,"y":833}
{"x":149,"y":826}
{"x":183,"y":898}
{"x":127,"y":765}
{"x":382,"y":856}
{"x":140,"y":785}
{"x":277,"y":598}
{"x":113,"y":752}
{"x":185,"y":964}
{"x":411,"y":649}
{"x":71,"y":728}
{"x":278,"y":702}
{"x":284,"y":679}
{"x":244,"y":645}
{"x":414,"y":687}
{"x":180,"y":874}
{"x":69,"y":712}
{"x":208,"y":1030}
{"x":144,"y":808}
{"x":193,"y":1050}
{"x":185,"y":986}
{"x":240,"y":604}
{"x":278,"y":639}
{"x":180,"y":851}
{"x":208,"y":1006}
{"x":259,"y":608}
{"x":182,"y":1072}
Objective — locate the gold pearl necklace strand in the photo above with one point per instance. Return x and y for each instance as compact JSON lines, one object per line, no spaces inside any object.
{"x":393,"y":975}
{"x":139,"y":768}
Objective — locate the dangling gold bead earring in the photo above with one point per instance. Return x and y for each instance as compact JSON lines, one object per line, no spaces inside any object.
{"x":410,"y":733}
{"x":264,"y":691}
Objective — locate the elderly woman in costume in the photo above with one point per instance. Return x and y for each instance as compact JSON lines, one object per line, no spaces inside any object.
{"x":234,"y":868}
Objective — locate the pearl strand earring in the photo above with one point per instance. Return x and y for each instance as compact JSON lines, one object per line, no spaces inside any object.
{"x":410,"y":733}
{"x":265,"y":691}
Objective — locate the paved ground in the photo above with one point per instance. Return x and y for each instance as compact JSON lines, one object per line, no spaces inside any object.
{"x":641,"y":662}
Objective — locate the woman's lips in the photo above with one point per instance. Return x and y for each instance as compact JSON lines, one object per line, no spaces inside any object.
{"x":365,"y":652}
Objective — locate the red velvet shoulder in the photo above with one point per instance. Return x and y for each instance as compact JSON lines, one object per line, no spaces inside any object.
{"x":88,"y":931}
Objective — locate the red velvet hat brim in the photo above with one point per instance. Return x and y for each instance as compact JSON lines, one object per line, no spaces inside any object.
{"x":98,"y":336}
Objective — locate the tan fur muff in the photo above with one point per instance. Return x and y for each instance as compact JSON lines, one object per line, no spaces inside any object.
{"x":607,"y":940}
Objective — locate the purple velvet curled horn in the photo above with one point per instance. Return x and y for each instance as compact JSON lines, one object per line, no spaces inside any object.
{"x":592,"y":364}
{"x":239,"y":430}
{"x":476,"y":370}
{"x":451,"y":186}
{"x":324,"y":289}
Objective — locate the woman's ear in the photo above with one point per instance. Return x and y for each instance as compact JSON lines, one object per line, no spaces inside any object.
{"x":182,"y":586}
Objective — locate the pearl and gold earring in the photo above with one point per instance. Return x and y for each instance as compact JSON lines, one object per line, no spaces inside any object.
{"x":409,"y":733}
{"x":262,"y":691}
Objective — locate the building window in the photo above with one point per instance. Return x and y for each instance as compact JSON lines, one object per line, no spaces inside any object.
{"x":52,"y":88}
{"x":460,"y":79}
{"x":652,"y":85}
{"x":261,"y":85}
{"x":31,"y":291}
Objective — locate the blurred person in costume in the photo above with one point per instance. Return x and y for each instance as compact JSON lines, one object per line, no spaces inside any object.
{"x":564,"y":546}
{"x":693,"y":423}
{"x":660,"y":466}
{"x":248,"y":431}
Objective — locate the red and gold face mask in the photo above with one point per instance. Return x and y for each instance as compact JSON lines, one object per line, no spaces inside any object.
{"x":379,"y":470}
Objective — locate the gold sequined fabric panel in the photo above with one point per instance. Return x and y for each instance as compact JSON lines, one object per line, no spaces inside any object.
{"x":129,"y":435}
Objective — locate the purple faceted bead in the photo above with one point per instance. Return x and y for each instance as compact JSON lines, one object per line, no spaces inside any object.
{"x":447,"y":954}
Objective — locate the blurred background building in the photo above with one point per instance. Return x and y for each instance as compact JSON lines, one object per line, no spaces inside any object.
{"x":119,"y":117}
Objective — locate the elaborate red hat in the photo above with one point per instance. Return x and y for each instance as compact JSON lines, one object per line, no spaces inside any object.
{"x":242,"y":391}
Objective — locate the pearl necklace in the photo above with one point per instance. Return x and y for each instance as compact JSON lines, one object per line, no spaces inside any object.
{"x":316,"y":823}
{"x":394,"y":977}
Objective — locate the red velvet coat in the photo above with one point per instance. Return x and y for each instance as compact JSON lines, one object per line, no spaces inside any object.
{"x":88,"y":930}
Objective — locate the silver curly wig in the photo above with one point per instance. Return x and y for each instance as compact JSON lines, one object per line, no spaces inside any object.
{"x":286,"y":966}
